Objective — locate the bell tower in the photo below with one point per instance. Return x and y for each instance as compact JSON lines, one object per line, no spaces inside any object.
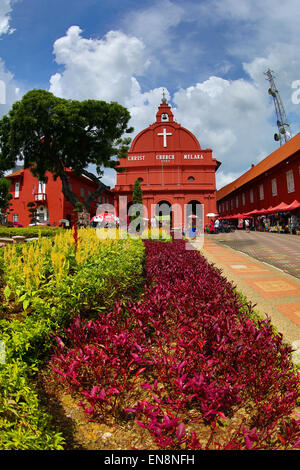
{"x":164,"y":113}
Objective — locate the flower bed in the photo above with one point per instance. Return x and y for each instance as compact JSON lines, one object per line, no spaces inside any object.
{"x":186,"y":362}
{"x":45,"y":285}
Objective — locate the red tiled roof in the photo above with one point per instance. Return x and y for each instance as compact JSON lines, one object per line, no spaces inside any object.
{"x":276,"y":157}
{"x":15,"y":173}
{"x":68,"y":170}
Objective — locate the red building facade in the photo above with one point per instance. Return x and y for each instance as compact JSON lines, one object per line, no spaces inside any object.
{"x":171,"y":166}
{"x":50,"y":203}
{"x":274,"y":180}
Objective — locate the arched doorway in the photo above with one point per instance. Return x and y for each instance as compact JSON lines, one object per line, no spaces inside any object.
{"x":163,"y":214}
{"x":193,"y":207}
{"x":42,"y":214}
{"x":194,"y":217}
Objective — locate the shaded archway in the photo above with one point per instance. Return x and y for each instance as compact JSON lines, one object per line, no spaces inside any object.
{"x":194,"y":217}
{"x":163,"y":214}
{"x":193,"y":207}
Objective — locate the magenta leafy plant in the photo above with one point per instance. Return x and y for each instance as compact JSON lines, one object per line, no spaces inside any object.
{"x":185,"y":355}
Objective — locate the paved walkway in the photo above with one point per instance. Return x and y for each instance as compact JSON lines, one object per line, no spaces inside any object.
{"x":274,"y":292}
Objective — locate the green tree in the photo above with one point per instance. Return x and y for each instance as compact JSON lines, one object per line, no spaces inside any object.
{"x":137,"y":195}
{"x":137,"y":199}
{"x":53,"y":134}
{"x":32,"y":212}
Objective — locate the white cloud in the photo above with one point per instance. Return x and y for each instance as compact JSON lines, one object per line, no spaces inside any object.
{"x":153,"y":25}
{"x":222,"y":179}
{"x":168,"y":47}
{"x":262,"y":16}
{"x":5,"y":10}
{"x":105,"y":69}
{"x":8,"y":90}
{"x":97,"y":68}
{"x":143,"y":107}
{"x":228,"y":116}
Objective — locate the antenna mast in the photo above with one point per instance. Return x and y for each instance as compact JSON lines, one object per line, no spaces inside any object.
{"x":284,"y":131}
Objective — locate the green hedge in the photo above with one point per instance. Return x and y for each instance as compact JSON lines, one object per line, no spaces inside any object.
{"x":29,"y":232}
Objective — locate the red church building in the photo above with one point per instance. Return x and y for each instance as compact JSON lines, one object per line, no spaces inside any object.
{"x":171,"y":166}
{"x":50,"y":203}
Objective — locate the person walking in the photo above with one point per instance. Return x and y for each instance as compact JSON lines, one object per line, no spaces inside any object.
{"x":217,"y":225}
{"x":212,"y":226}
{"x":153,"y":222}
{"x":247,"y":225}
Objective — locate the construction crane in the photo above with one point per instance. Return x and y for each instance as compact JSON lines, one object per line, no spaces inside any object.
{"x":284,"y":132}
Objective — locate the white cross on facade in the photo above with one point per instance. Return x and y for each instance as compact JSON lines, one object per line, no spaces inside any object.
{"x":164,"y":134}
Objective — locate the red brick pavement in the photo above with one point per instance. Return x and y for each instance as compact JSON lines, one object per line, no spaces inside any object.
{"x":276,"y":292}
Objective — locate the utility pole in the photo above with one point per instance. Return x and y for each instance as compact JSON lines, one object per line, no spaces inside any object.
{"x":284,"y":132}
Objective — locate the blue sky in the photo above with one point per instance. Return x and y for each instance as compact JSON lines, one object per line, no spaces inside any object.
{"x":209,"y":56}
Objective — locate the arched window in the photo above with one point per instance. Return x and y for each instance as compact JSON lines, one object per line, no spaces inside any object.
{"x":191,"y":179}
{"x":140,"y":180}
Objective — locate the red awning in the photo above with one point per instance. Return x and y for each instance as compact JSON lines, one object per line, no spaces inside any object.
{"x":243,"y":216}
{"x":251,"y":212}
{"x":257,"y":212}
{"x":294,"y":205}
{"x":236,"y":216}
{"x":280,"y":208}
{"x":261,"y":211}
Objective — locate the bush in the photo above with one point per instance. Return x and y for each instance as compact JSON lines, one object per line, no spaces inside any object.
{"x":29,"y":232}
